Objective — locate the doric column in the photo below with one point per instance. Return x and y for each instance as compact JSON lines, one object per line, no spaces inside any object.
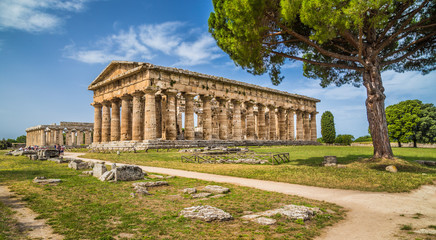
{"x":126,"y":115}
{"x":61,"y":137}
{"x":306,"y":126}
{"x":250,"y":121}
{"x":261,"y":121}
{"x":74,"y":138}
{"x":282,"y":123}
{"x":189,"y":116}
{"x":97,"y":122}
{"x":300,"y":129}
{"x":137,"y":132}
{"x":115,"y":120}
{"x":158,"y":105}
{"x":222,"y":118}
{"x":106,"y":122}
{"x":79,"y":137}
{"x":150,"y":114}
{"x":272,"y":122}
{"x":207,"y":117}
{"x":171,"y":129}
{"x":291,"y":124}
{"x":237,"y":124}
{"x":87,"y":137}
{"x":313,"y":126}
{"x":43,"y":138}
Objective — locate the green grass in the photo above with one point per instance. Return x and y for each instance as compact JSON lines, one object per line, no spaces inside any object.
{"x":305,"y":167}
{"x":84,"y":207}
{"x":8,"y":226}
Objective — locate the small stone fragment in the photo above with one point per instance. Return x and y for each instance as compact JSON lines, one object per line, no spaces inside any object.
{"x":43,"y":180}
{"x":218,"y":196}
{"x":216,"y":189}
{"x":391,"y":168}
{"x":206,"y":213}
{"x":150,"y":184}
{"x":156,"y":176}
{"x":190,"y":190}
{"x":264,"y":221}
{"x":107,"y":176}
{"x":201,"y":195}
{"x":99,"y":169}
{"x":250,"y":217}
{"x":142,"y":191}
{"x":426,"y":231}
{"x":88,"y":172}
{"x":329,"y":161}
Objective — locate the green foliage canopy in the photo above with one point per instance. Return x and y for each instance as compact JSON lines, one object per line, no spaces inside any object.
{"x":403,"y":119}
{"x":427,"y":126}
{"x":328,"y":131}
{"x":344,"y":139}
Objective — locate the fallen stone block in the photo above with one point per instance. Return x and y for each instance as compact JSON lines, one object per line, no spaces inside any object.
{"x":78,"y":165}
{"x":128,"y":173}
{"x":43,"y":180}
{"x":58,"y":160}
{"x":391,"y":168}
{"x":107,"y":176}
{"x":190,"y":190}
{"x":99,"y":169}
{"x":329,"y":161}
{"x":264,"y":221}
{"x":206,"y":213}
{"x":216,"y":189}
{"x":88,"y":173}
{"x":150,"y":184}
{"x":201,"y":195}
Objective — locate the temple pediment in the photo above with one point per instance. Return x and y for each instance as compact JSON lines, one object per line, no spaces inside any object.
{"x":114,"y":70}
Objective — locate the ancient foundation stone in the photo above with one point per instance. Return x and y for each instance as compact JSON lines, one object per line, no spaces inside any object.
{"x":329,"y":161}
{"x":206,"y":213}
{"x":189,"y":190}
{"x":99,"y":169}
{"x":108,"y":176}
{"x":150,"y":184}
{"x":43,"y":180}
{"x":264,"y":221}
{"x":78,"y":165}
{"x":201,"y":195}
{"x":128,"y":173}
{"x":216,"y":189}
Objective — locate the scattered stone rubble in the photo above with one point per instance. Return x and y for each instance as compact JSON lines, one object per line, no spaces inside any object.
{"x":206,"y":213}
{"x":426,"y":231}
{"x":141,"y":187}
{"x":123,"y":173}
{"x":242,"y":160}
{"x":426,"y":163}
{"x":215,"y":189}
{"x":214,"y":148}
{"x":201,"y":195}
{"x":43,"y":180}
{"x":293,"y":212}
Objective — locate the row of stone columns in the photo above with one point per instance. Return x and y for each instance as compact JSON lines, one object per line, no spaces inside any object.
{"x":147,"y":116}
{"x":48,"y":137}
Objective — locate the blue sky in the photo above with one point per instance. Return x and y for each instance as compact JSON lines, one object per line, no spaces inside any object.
{"x":51,"y":50}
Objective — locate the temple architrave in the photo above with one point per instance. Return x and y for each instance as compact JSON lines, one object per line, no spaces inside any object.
{"x":76,"y":134}
{"x":138,"y":104}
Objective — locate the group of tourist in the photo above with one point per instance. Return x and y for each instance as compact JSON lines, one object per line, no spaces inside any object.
{"x":58,"y":147}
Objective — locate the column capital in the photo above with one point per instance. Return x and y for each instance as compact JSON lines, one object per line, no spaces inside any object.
{"x":151,"y":89}
{"x":96,"y":104}
{"x":115,"y":100}
{"x":271,"y":107}
{"x":189,"y":94}
{"x":235,"y":101}
{"x":205,"y":97}
{"x":171,"y":92}
{"x":126,"y":97}
{"x":137,"y":93}
{"x":106,"y":103}
{"x":249,"y":103}
{"x":221,"y":99}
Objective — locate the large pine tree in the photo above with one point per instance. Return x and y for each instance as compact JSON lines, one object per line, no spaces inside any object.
{"x":343,"y":41}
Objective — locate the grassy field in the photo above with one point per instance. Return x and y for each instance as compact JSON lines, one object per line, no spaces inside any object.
{"x":82,"y":207}
{"x":305,"y":167}
{"x":8,"y":226}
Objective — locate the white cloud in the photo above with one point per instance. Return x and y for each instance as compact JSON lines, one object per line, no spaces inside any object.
{"x":201,"y":51}
{"x":145,"y":42}
{"x":33,"y":16}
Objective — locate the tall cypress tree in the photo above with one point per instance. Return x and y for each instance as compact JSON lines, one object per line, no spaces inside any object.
{"x":328,"y":131}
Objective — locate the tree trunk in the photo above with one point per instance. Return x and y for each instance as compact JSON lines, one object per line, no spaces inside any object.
{"x":399,"y":144}
{"x":375,"y":108}
{"x":414,"y":143}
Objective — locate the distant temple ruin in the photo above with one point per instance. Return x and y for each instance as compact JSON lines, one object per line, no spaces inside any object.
{"x":141,"y":103}
{"x":76,"y":134}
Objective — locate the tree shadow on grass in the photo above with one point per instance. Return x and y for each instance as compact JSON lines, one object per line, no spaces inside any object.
{"x":361,"y":161}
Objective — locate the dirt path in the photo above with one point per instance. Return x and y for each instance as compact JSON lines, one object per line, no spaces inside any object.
{"x":371,"y":215}
{"x":32,"y":227}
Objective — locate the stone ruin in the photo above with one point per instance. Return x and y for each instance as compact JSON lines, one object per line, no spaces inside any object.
{"x":206,"y":213}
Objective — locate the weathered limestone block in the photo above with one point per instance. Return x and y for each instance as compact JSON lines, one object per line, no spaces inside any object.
{"x":78,"y":164}
{"x":391,"y":168}
{"x":216,"y":189}
{"x":206,"y":213}
{"x":43,"y":180}
{"x":190,"y":190}
{"x":264,"y":221}
{"x":107,"y":176}
{"x":293,"y":212}
{"x":201,"y":195}
{"x":329,"y":161}
{"x":150,"y":184}
{"x":99,"y":169}
{"x":128,"y":173}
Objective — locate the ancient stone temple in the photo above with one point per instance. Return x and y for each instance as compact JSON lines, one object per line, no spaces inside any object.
{"x":136,"y":104}
{"x":76,"y":134}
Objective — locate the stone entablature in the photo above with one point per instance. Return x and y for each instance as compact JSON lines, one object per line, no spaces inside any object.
{"x":141,"y":101}
{"x":77,"y":133}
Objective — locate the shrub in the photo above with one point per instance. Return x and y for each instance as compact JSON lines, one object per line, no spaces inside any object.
{"x":328,"y":131}
{"x":366,"y":138}
{"x":345,"y":139}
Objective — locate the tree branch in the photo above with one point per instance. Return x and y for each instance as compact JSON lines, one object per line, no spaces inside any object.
{"x":410,"y":44}
{"x":335,"y":65}
{"x":404,"y":56}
